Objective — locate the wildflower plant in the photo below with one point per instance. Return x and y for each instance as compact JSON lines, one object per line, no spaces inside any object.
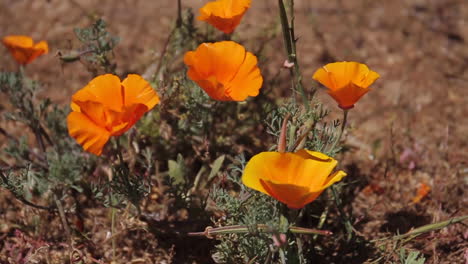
{"x":294,"y":126}
{"x":96,"y":50}
{"x":45,"y":176}
{"x":41,"y":176}
{"x":253,"y":226}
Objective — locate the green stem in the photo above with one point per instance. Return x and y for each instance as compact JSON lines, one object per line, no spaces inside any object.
{"x":323,"y":218}
{"x":282,"y":256}
{"x":179,"y":13}
{"x":291,"y":28}
{"x":63,"y":218}
{"x":300,"y":140}
{"x":122,"y":164}
{"x":21,"y":69}
{"x":227,"y":37}
{"x":112,"y":205}
{"x":426,"y":228}
{"x":343,"y":215}
{"x":338,"y":202}
{"x":285,"y":28}
{"x":300,"y":250}
{"x":269,"y":257}
{"x":113,"y":232}
{"x":119,"y":152}
{"x":290,"y":45}
{"x":343,"y":126}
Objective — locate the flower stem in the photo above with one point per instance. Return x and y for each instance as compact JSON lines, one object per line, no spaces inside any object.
{"x":285,"y":28}
{"x":343,"y":215}
{"x":323,"y":218}
{"x":179,"y":13}
{"x":426,"y":228}
{"x":282,"y":256}
{"x":113,"y":211}
{"x":343,"y":126}
{"x":63,"y":218}
{"x":300,"y":140}
{"x":262,"y":228}
{"x":290,"y":45}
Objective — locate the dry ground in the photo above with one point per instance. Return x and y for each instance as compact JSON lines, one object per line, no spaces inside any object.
{"x":411,"y":129}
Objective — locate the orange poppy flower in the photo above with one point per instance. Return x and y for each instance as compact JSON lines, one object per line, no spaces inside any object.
{"x":23,"y":49}
{"x":107,"y":107}
{"x":347,"y":81}
{"x":225,"y":70}
{"x":224,"y":15}
{"x":295,"y":179}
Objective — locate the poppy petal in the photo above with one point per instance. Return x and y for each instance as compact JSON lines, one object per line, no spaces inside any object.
{"x":89,"y":135}
{"x":42,"y":47}
{"x":292,"y":178}
{"x":274,"y":166}
{"x":214,"y":89}
{"x":315,"y":155}
{"x":210,"y":59}
{"x":348,"y":95}
{"x":37,"y":50}
{"x":248,"y":77}
{"x":347,"y":81}
{"x":335,"y":177}
{"x":197,"y":71}
{"x":225,"y":78}
{"x":255,"y":169}
{"x":18,"y":41}
{"x":138,"y":91}
{"x":128,"y":118}
{"x":323,"y":77}
{"x":105,"y":89}
{"x":230,"y":59}
{"x":366,"y":77}
{"x":74,"y":107}
{"x":337,"y":75}
{"x":21,"y":55}
{"x":116,"y":123}
{"x":22,"y":48}
{"x":291,"y":195}
{"x":314,"y":172}
{"x":225,"y":15}
{"x":106,"y":107}
{"x":99,"y":114}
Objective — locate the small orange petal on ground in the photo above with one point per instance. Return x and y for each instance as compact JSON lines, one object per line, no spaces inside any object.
{"x":423,"y":191}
